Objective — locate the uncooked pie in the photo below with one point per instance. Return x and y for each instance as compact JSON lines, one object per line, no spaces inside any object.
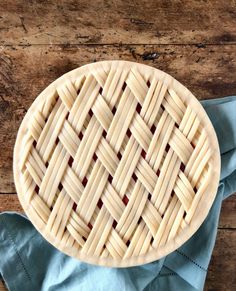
{"x":116,"y":163}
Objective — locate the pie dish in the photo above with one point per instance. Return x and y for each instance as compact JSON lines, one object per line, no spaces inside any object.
{"x":116,"y":164}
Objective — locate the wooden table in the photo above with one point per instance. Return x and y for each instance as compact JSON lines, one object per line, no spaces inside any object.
{"x":194,"y":41}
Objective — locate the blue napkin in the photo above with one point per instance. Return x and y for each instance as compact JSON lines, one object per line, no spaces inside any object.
{"x":28,"y":262}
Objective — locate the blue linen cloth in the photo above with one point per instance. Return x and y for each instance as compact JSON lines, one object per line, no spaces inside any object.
{"x":28,"y":262}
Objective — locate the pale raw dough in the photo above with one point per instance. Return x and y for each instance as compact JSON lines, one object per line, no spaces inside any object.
{"x":116,"y":163}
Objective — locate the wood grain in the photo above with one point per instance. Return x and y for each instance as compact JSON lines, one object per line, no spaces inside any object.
{"x":117,"y":21}
{"x":25,"y":72}
{"x":2,"y":287}
{"x":41,"y":40}
{"x":221,"y":273}
{"x":228,"y":214}
{"x":10,"y":202}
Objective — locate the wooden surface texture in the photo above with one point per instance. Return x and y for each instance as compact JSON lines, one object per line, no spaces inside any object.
{"x":194,"y":41}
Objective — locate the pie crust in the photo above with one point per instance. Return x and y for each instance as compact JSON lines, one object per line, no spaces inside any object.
{"x":116,"y":164}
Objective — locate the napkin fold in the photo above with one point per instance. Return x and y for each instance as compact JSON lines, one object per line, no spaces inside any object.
{"x":29,"y":262}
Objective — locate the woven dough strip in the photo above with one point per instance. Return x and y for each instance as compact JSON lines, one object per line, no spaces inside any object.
{"x":116,"y":163}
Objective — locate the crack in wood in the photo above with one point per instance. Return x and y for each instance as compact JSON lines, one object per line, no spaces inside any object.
{"x":23,"y":24}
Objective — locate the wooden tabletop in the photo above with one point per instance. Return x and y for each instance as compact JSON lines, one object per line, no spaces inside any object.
{"x":194,"y":41}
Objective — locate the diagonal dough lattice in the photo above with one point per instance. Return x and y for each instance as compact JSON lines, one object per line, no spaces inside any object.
{"x":116,"y":163}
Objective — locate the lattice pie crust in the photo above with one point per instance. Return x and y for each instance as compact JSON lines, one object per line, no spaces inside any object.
{"x":116,"y":163}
